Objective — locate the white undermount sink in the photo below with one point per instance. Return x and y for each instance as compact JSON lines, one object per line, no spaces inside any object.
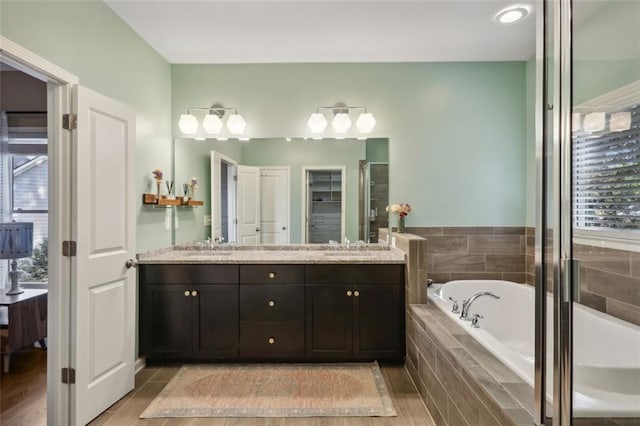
{"x":347,"y":253}
{"x":206,"y":253}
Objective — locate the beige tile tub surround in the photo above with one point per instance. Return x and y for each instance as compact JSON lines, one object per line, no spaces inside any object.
{"x":610,"y":281}
{"x":484,"y":253}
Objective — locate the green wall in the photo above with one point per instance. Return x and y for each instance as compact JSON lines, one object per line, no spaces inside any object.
{"x":530,"y":214}
{"x":89,"y":40}
{"x":456,"y":131}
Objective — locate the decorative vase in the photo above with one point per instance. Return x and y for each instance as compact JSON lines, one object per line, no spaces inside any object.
{"x":401,"y":224}
{"x":193,"y":193}
{"x":158,"y":185}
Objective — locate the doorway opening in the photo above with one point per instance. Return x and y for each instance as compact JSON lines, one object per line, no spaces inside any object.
{"x":324,"y":209}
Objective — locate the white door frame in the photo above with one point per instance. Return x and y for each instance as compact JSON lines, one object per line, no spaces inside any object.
{"x":59,"y":84}
{"x":305,"y":197}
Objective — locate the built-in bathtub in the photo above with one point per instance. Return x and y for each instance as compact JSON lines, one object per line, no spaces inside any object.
{"x":606,"y":350}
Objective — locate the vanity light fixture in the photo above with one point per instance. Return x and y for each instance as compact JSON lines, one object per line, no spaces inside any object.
{"x":212,"y":123}
{"x":341,"y":121}
{"x":512,"y":14}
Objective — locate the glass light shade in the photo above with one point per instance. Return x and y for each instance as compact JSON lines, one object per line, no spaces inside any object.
{"x":620,"y":121}
{"x":188,"y":124}
{"x":236,"y":124}
{"x":212,"y":124}
{"x":317,"y":123}
{"x":365,"y":123}
{"x":593,"y":122}
{"x":341,"y":122}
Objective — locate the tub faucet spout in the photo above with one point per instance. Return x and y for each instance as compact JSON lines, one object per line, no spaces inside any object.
{"x":464,"y":315}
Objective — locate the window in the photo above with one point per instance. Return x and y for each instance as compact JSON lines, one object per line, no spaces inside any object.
{"x":606,"y":150}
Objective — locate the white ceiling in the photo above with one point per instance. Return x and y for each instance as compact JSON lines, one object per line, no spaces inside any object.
{"x":294,"y":31}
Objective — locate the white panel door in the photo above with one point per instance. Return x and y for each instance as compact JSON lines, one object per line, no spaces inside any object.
{"x":248,"y":205}
{"x":104,"y":299}
{"x":216,"y":214}
{"x":274,"y":206}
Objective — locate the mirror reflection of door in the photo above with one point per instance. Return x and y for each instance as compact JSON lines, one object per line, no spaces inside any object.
{"x":274,"y":206}
{"x":248,"y":205}
{"x":324,"y":210}
{"x":223,"y":197}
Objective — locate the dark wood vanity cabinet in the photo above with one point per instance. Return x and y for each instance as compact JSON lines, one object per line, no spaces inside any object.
{"x":271,"y":312}
{"x":189,"y":311}
{"x":355,"y":312}
{"x":315,"y":312}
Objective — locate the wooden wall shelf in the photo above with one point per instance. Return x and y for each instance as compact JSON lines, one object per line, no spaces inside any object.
{"x":152,"y":199}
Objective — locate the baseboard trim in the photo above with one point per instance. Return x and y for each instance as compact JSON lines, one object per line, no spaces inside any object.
{"x":139,"y":364}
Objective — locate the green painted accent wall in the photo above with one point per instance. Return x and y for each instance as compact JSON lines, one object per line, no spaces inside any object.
{"x":89,"y":40}
{"x":457,"y":131}
{"x":377,"y":150}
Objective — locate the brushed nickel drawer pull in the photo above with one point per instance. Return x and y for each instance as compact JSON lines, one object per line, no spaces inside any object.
{"x":272,"y":303}
{"x":272,"y":340}
{"x":194,"y":293}
{"x":272,"y":275}
{"x":349,"y":293}
{"x":187,"y":293}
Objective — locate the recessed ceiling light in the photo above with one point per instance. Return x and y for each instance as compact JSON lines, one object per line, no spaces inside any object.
{"x":512,"y":14}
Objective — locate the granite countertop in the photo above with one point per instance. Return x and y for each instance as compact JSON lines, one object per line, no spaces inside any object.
{"x":272,"y":254}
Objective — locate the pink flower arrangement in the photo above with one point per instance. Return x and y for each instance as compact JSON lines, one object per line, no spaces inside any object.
{"x":402,"y":209}
{"x":194,"y":183}
{"x":157,"y":175}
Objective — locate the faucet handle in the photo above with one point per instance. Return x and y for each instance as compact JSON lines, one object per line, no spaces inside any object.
{"x":474,"y":320}
{"x":455,"y":309}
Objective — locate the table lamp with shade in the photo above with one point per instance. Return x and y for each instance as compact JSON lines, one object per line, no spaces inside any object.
{"x":16,"y":241}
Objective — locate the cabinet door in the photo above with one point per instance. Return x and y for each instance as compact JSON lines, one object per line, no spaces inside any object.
{"x":216,"y":320}
{"x":329,"y":321}
{"x":166,"y":321}
{"x":377,"y":322}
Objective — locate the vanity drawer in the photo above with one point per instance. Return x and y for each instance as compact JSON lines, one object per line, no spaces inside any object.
{"x":189,"y":274}
{"x":272,"y":274}
{"x":270,"y":302}
{"x":268,"y":339}
{"x":355,"y":274}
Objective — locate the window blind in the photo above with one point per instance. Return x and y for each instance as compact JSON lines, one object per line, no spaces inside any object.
{"x":606,"y":176}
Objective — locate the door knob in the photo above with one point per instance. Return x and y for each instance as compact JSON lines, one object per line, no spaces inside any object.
{"x":284,"y":228}
{"x":257,"y":229}
{"x":131,"y":263}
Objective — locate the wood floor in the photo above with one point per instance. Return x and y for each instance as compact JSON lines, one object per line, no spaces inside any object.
{"x":23,"y":390}
{"x":23,"y":400}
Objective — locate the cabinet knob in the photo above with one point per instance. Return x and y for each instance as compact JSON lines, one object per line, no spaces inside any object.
{"x":271,"y":340}
{"x":194,"y":293}
{"x":272,"y":275}
{"x":187,"y":293}
{"x":356,"y":293}
{"x":272,"y":303}
{"x":349,"y":293}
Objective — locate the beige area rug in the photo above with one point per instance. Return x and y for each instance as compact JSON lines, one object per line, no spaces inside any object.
{"x":274,"y":390}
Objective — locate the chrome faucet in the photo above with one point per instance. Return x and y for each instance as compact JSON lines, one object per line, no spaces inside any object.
{"x":464,"y":315}
{"x":359,"y":244}
{"x":347,"y":243}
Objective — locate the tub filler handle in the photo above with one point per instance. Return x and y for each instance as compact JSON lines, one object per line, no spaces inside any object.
{"x":455,"y":309}
{"x":474,"y":320}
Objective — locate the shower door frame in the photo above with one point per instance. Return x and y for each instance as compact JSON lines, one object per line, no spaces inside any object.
{"x":553,"y":136}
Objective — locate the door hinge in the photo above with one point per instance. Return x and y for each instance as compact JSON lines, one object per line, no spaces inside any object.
{"x":235,"y":177}
{"x":235,"y":221}
{"x":69,"y":121}
{"x":69,"y":248}
{"x":69,"y":375}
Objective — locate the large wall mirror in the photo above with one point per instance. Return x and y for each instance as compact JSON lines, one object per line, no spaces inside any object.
{"x":282,"y":190}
